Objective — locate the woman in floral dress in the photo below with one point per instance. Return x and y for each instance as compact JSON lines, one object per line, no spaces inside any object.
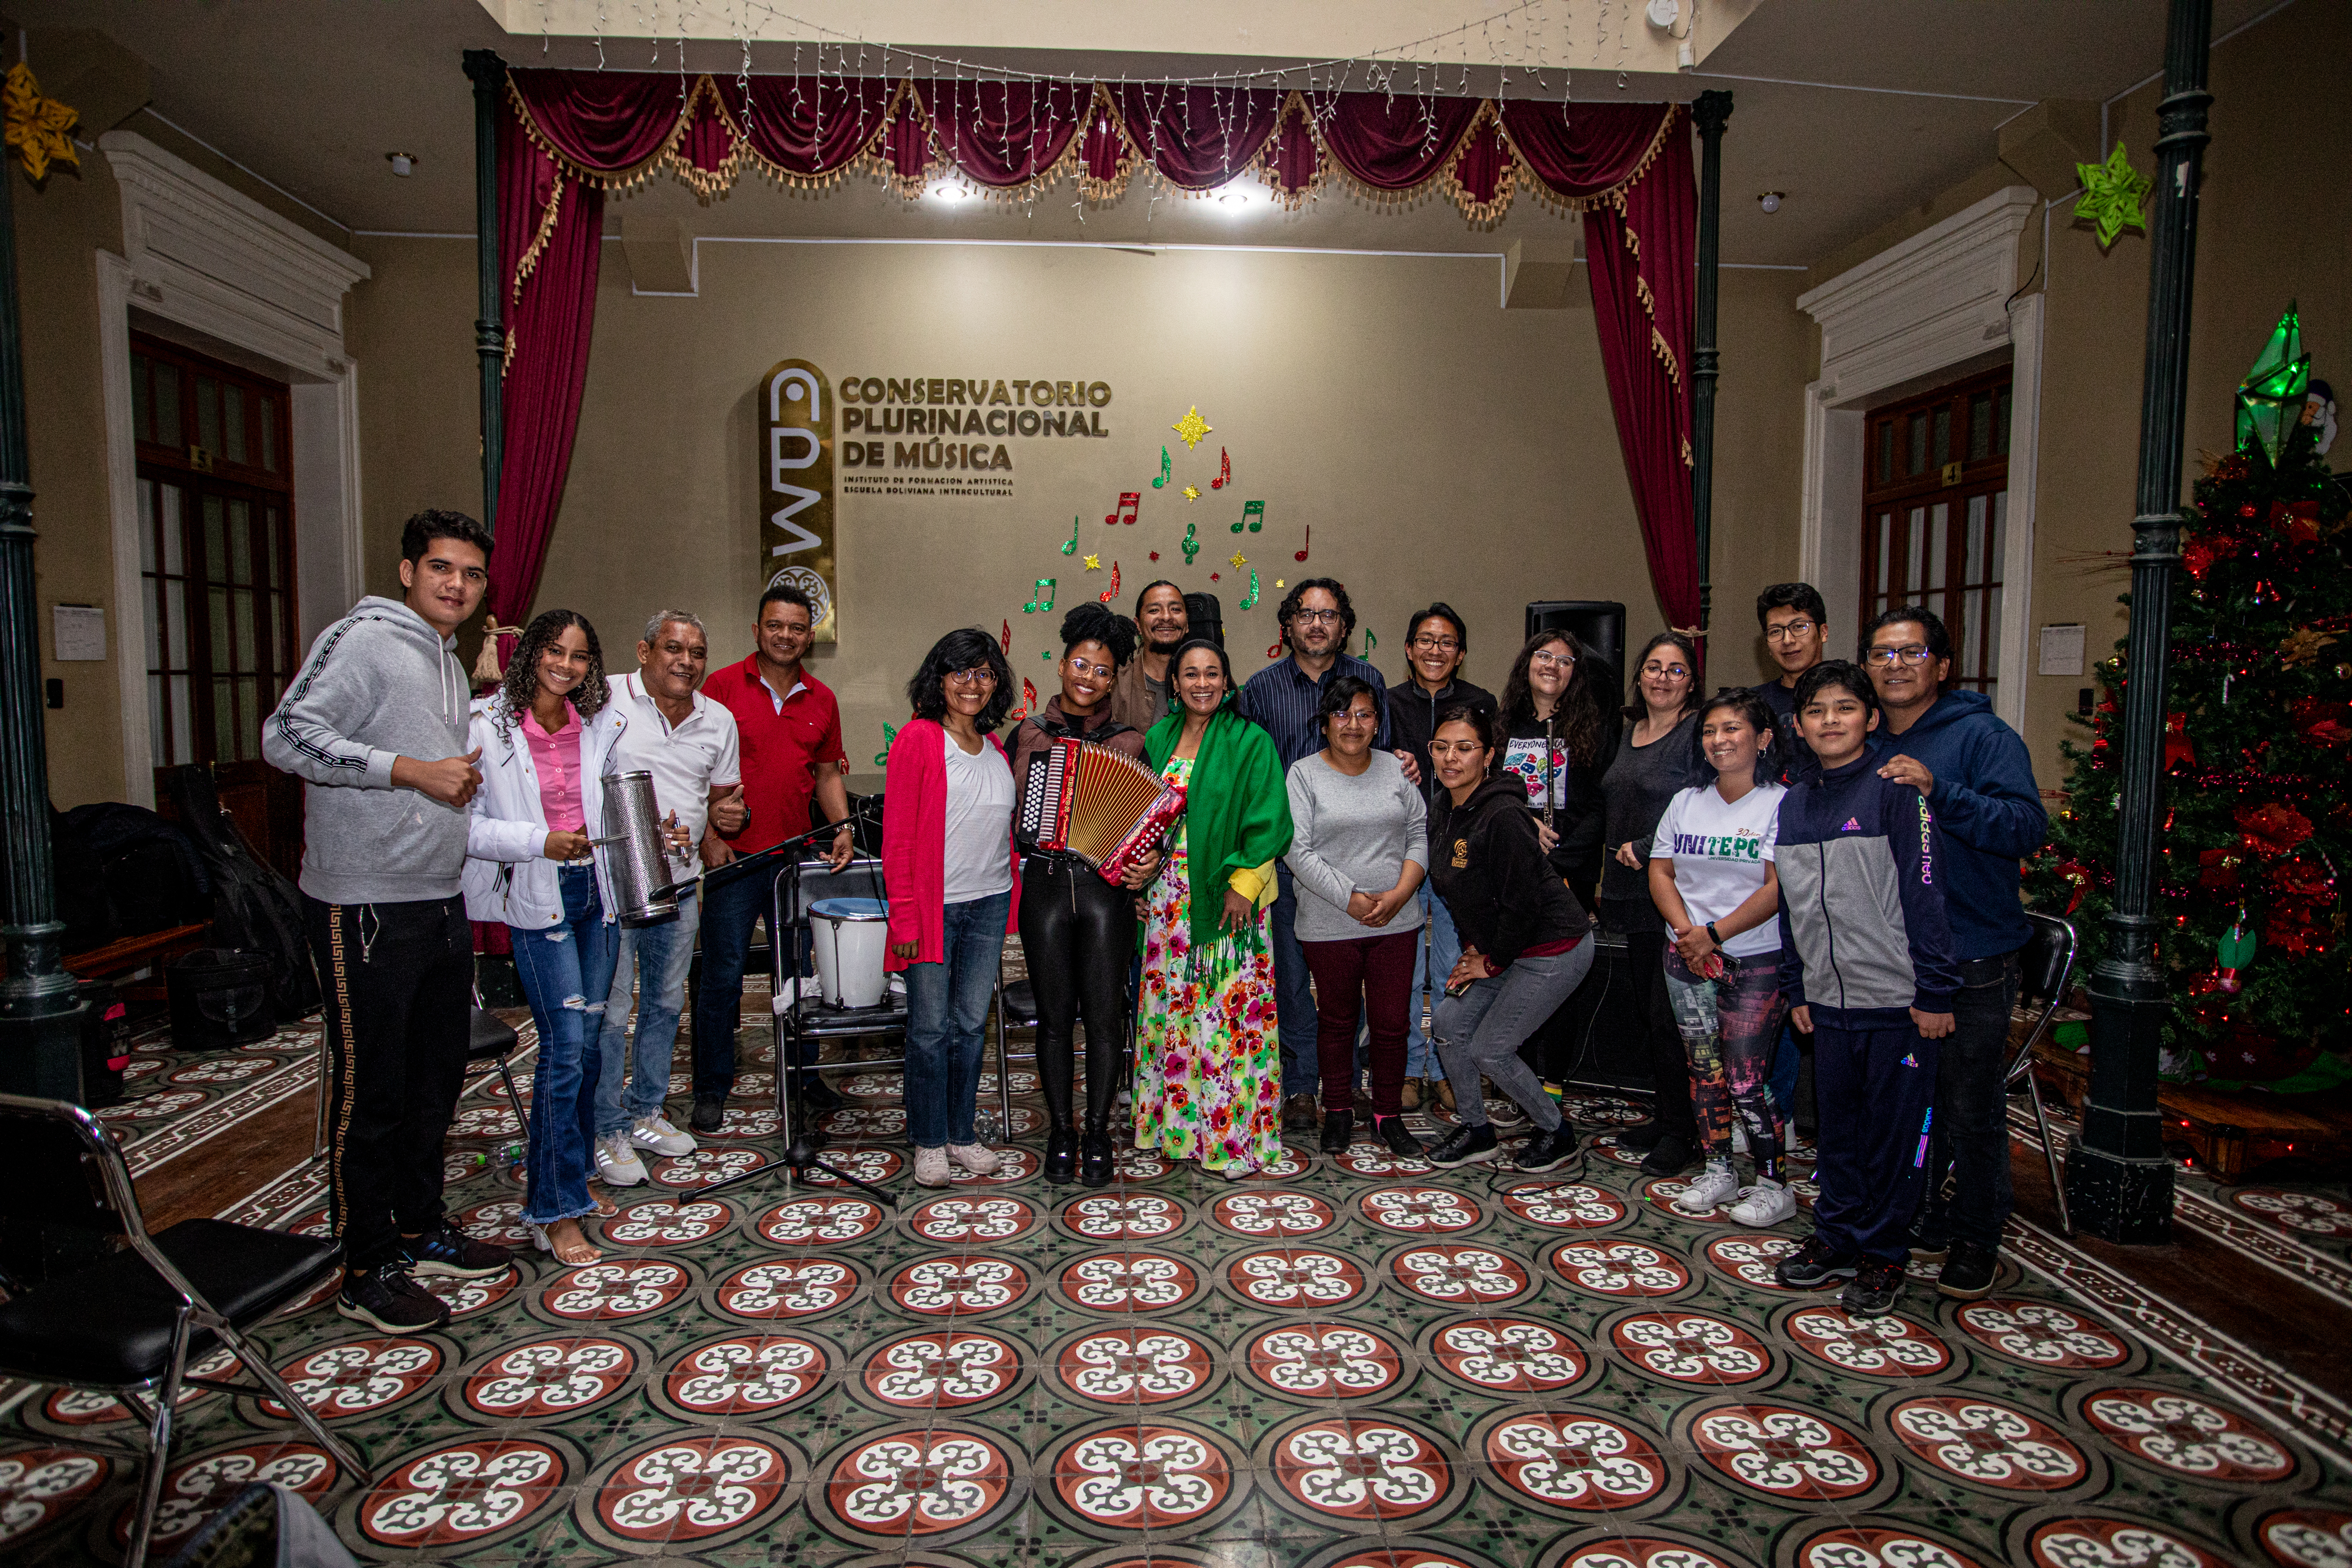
{"x":1208,"y":1070}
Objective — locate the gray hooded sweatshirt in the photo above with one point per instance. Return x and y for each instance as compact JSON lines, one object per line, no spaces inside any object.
{"x":379,"y":684}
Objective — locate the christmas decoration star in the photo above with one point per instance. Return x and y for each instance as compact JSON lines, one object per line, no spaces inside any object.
{"x":2113,"y":194}
{"x":2302,"y":646}
{"x":1093,"y":563}
{"x":2270,"y":400}
{"x":1191,"y":427}
{"x":39,"y":129}
{"x":1191,"y":492}
{"x":1240,"y":560}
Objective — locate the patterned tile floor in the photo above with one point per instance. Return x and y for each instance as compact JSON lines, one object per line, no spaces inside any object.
{"x":1346,"y":1363}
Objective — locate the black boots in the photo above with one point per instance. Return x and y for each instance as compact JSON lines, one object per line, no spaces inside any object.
{"x":1094,"y":1158}
{"x":1339,"y":1130}
{"x":1061,"y":1155}
{"x":1392,"y":1132}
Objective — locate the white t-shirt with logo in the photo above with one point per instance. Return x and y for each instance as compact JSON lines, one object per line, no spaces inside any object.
{"x":979,"y":823}
{"x":1719,"y":853}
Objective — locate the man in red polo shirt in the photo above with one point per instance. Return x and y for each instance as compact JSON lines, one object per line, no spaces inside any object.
{"x":790,"y":730}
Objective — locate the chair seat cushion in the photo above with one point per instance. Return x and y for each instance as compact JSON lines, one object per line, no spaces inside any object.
{"x":492,"y":1036}
{"x":110,"y":1324}
{"x":1020,"y":1005}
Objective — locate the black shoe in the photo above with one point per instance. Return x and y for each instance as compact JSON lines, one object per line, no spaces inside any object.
{"x":1872,"y":1292}
{"x":1671,"y":1155}
{"x":1811,"y":1265}
{"x":1641,"y":1137}
{"x":455,"y":1255}
{"x":1547,"y":1151}
{"x":1298,"y":1114}
{"x":709,"y":1110}
{"x":1392,"y":1131}
{"x":390,"y":1301}
{"x":1094,"y":1158}
{"x":1969,"y":1271}
{"x":811,"y":1090}
{"x":1339,"y":1131}
{"x":1464,"y":1145}
{"x":1061,"y":1155}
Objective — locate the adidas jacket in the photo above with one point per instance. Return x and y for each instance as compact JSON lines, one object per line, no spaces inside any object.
{"x":1864,"y":935}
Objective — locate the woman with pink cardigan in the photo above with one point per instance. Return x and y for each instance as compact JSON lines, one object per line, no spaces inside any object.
{"x":951,"y":869}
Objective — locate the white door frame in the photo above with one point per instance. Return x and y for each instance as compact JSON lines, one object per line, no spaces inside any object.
{"x":241,"y":279}
{"x":1921,"y":312}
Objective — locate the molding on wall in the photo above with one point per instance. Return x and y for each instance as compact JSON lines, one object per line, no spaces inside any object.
{"x":1931,"y":304}
{"x":201,"y":256}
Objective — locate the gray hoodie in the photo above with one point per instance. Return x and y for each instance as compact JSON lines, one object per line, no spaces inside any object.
{"x":379,"y":684}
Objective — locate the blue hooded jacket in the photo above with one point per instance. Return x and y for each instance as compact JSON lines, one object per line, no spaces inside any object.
{"x":1990,"y":812}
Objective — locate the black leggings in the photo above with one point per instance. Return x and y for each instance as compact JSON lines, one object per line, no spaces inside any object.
{"x":1078,"y":936}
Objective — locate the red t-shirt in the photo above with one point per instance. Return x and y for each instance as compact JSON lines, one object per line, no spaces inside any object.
{"x":782,"y":748}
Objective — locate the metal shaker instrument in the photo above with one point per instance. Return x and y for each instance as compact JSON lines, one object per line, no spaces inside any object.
{"x":636,"y":853}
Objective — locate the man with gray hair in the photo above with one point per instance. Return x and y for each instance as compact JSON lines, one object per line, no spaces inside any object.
{"x":688,"y":744}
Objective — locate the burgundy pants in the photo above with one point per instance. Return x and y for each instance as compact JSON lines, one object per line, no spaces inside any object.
{"x":1363,"y":976}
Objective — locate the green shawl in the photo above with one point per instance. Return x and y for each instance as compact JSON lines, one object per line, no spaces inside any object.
{"x":1236,"y":809}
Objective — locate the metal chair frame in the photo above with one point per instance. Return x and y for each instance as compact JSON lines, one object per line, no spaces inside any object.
{"x":2046,"y":927}
{"x":154,"y":1400}
{"x":505,"y":1075}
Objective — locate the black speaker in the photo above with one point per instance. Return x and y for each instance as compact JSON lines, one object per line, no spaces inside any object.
{"x":1600,"y":625}
{"x":1205,"y":618}
{"x":1603,"y":1045}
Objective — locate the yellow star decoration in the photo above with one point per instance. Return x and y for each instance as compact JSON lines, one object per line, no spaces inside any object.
{"x":1191,"y":427}
{"x":2113,"y":194}
{"x":1277,"y":582}
{"x":1191,"y":492}
{"x":1093,"y":563}
{"x":39,"y":129}
{"x":1240,"y":560}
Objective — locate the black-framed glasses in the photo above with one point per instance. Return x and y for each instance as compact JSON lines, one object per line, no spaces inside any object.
{"x":1789,"y":631}
{"x":978,"y":675}
{"x":1326,"y":617}
{"x":1910,"y":653}
{"x":1672,"y":671}
{"x":1436,"y":644}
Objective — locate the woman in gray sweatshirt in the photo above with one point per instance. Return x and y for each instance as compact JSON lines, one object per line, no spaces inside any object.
{"x":1358,"y":849}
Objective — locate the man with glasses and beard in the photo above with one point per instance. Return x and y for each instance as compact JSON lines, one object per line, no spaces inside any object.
{"x":1141,"y":697}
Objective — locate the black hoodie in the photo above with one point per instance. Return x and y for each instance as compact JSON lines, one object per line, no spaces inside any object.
{"x":1485,"y":862}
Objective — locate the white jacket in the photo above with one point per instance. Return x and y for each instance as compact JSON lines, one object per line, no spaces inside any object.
{"x":507,"y":875}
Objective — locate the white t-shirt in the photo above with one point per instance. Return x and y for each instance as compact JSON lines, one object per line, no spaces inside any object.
{"x":979,"y":823}
{"x":688,"y":761}
{"x":1719,"y":853}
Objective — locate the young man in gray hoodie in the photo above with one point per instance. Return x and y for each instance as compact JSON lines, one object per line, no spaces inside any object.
{"x":375,"y":725}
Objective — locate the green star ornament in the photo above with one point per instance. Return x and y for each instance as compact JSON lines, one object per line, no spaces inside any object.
{"x":2113,"y":194}
{"x":2270,"y":400}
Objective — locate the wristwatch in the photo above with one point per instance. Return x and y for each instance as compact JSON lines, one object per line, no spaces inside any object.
{"x":1713,"y":935}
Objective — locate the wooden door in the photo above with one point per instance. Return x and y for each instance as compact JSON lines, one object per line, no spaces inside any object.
{"x":1936,"y":516}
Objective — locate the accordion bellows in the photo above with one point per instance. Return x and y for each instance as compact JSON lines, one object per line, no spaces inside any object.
{"x":1098,"y":804}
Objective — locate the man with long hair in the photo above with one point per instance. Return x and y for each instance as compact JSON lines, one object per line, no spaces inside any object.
{"x":1141,"y":697}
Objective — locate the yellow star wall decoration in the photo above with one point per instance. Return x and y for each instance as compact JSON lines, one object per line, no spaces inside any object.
{"x":2113,"y":194}
{"x":39,"y":129}
{"x":1240,"y":560}
{"x":1191,"y":492}
{"x":1191,"y":427}
{"x":1093,"y":563}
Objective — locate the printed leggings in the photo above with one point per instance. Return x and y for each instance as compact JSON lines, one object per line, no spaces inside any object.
{"x":1729,"y":1027}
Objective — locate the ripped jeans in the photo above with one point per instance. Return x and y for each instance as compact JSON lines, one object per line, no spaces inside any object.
{"x":565,"y":970}
{"x":1729,"y":1028}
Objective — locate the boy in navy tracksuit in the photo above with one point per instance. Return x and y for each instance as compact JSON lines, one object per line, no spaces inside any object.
{"x":1866,"y":962}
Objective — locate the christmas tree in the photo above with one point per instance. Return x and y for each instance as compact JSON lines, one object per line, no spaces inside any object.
{"x":2258,"y":743}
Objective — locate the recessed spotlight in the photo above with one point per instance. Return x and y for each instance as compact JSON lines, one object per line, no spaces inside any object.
{"x":1770,"y":199}
{"x":946,"y":193}
{"x":403,"y":163}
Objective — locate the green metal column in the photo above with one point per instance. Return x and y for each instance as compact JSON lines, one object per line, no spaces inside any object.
{"x":2118,"y":1181}
{"x":1711,"y":112}
{"x":489,"y":75}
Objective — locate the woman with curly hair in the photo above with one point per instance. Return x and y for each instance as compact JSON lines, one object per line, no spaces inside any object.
{"x":545,"y":737}
{"x":948,"y":859}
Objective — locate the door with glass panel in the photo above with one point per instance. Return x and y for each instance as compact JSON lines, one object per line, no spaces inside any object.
{"x":1936,"y":516}
{"x":216,"y":570}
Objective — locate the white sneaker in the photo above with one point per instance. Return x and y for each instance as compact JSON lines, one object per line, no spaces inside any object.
{"x":977,"y":1159}
{"x":1712,"y":1187}
{"x":655,"y":1133}
{"x":931,"y":1167}
{"x":616,"y":1161}
{"x":1766,"y":1203}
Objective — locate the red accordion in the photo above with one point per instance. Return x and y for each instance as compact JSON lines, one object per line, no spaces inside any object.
{"x":1100,"y":805}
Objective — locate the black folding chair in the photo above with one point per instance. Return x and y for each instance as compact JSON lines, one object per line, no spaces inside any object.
{"x":1016,"y":1008}
{"x":132,"y":1323}
{"x":2048,"y":965}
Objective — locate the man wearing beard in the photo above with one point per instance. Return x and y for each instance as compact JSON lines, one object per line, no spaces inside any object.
{"x":1285,"y":700}
{"x":1139,"y":700}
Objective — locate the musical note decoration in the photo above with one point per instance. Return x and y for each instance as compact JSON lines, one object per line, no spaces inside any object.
{"x":1046,"y":654}
{"x":1253,"y":515}
{"x":1191,"y":427}
{"x":1166,"y":468}
{"x":1370,"y":642}
{"x":1108,"y":595}
{"x":1224,"y":471}
{"x":1274,"y":652}
{"x":1072,"y":548}
{"x":1044,"y":600}
{"x":1192,"y":545}
{"x":889,"y":733}
{"x":1155,"y":555}
{"x":1249,"y":600}
{"x":1028,"y":701}
{"x":1213,"y":577}
{"x":1006,"y":644}
{"x":1093,"y":563}
{"x":1240,"y":560}
{"x":1128,"y":500}
{"x":1309,"y":536}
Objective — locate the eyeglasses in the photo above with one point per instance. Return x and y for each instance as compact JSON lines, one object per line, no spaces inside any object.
{"x":1672,"y":671}
{"x":1911,"y":653}
{"x":1326,"y":617}
{"x":1553,"y":662}
{"x":1788,"y":631}
{"x":1435,"y":644}
{"x":1099,"y":672}
{"x":978,"y":675}
{"x":1353,"y":716}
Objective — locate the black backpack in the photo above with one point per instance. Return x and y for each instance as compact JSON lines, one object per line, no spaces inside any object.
{"x":148,"y":871}
{"x":255,"y":909}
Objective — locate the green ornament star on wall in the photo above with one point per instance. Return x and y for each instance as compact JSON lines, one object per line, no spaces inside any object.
{"x":2113,"y":194}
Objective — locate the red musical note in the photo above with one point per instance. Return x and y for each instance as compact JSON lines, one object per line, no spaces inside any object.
{"x":1007,"y":641}
{"x":1224,"y":471}
{"x":1128,"y":500}
{"x":1274,"y":652}
{"x":1028,"y":701}
{"x":1213,"y":577}
{"x":1108,"y":595}
{"x":1309,"y":536}
{"x":1155,"y":555}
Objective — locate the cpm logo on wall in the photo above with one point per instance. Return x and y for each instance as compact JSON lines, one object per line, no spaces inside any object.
{"x":796,"y":518}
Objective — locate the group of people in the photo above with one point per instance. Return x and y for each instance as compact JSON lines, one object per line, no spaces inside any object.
{"x":1345,"y":851}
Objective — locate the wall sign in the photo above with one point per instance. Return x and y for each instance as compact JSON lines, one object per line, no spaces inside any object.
{"x":796,"y":492}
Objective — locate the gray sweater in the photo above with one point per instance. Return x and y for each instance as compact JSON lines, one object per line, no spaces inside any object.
{"x":1352,"y":835}
{"x":379,"y":684}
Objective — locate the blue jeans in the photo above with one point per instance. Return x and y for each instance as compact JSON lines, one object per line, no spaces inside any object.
{"x":1435,"y":961}
{"x":560,"y":968}
{"x":730,"y":912}
{"x":947,"y":1020}
{"x":1293,"y":997}
{"x":663,"y":953}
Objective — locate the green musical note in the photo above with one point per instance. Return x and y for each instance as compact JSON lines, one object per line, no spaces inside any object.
{"x":1250,"y":603}
{"x":1192,"y":545}
{"x":889,"y":733}
{"x":1072,"y":548}
{"x":1253,"y":513}
{"x":1048,"y":586}
{"x":1166,"y":468}
{"x":1370,"y":642}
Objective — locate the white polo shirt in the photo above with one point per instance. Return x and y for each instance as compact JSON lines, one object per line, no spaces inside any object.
{"x":688,"y":761}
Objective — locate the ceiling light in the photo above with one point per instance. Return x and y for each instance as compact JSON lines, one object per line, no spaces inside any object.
{"x":1663,"y":13}
{"x":946,"y":193}
{"x":403,"y":163}
{"x":1770,"y":199}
